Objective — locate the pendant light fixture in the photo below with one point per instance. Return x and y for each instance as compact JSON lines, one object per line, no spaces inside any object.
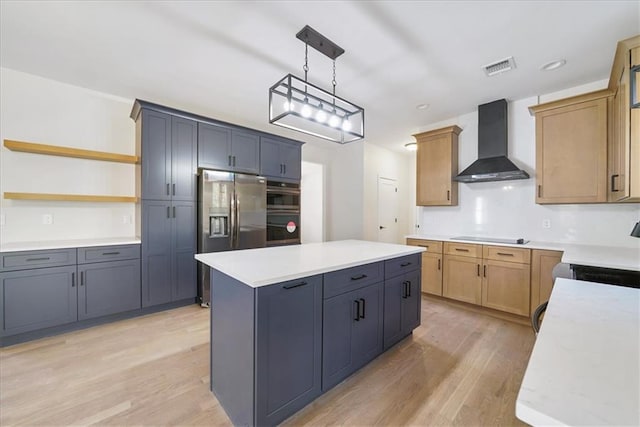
{"x":299,"y":105}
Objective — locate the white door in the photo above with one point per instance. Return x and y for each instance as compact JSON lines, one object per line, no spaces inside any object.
{"x":387,"y":210}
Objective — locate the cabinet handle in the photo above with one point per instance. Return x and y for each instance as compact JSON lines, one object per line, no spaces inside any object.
{"x":504,"y":254}
{"x":408,"y":288}
{"x":362,"y":316}
{"x":362,"y":276}
{"x":110,"y":253}
{"x":234,"y":160}
{"x":174,"y":189}
{"x":405,"y":264}
{"x":462,"y":250}
{"x":284,"y":169}
{"x":357,"y":318}
{"x":81,"y":278}
{"x":168,"y":211}
{"x":230,"y":160}
{"x":174,"y":211}
{"x":167,"y":188}
{"x":438,"y":264}
{"x":448,"y":195}
{"x":404,"y":289}
{"x":539,"y":190}
{"x":484,"y":270}
{"x":73,"y":280}
{"x":38,"y":259}
{"x":613,"y":179}
{"x":478,"y":271}
{"x":294,"y":286}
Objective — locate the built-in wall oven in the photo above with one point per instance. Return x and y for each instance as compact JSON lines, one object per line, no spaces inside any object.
{"x":283,"y":213}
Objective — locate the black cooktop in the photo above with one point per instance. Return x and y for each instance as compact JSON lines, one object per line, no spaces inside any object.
{"x":492,"y":240}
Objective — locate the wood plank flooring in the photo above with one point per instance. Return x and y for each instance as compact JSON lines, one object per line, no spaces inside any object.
{"x":459,"y":368}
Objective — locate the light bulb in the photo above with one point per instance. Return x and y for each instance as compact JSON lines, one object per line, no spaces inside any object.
{"x":306,"y":111}
{"x":334,"y":121}
{"x":346,"y":125}
{"x":288,"y":106}
{"x":321,"y":116}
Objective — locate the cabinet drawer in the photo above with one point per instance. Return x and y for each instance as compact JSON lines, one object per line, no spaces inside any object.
{"x":433,"y":246}
{"x":341,"y":281}
{"x":504,"y":253}
{"x":108,"y":253}
{"x":396,"y":266}
{"x":463,"y":249}
{"x":37,"y":259}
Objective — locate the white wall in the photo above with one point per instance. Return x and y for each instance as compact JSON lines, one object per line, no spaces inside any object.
{"x":312,"y":201}
{"x":39,"y":110}
{"x":508,"y":208}
{"x":383,"y":163}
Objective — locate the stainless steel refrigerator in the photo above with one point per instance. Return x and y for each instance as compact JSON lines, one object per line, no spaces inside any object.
{"x":231,"y":215}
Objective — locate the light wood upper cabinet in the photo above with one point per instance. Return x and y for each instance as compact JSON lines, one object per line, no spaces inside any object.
{"x":542,"y":263}
{"x":571,"y":149}
{"x":437,"y":164}
{"x":624,"y":147}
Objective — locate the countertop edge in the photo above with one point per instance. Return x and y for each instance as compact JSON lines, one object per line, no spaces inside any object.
{"x":67,"y":244}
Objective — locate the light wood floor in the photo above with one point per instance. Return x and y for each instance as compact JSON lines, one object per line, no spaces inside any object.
{"x":458,"y":368}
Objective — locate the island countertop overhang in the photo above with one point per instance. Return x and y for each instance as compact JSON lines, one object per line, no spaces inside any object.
{"x":266,"y":266}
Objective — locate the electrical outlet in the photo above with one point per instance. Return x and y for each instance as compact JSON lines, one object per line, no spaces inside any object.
{"x":546,"y":223}
{"x":47,"y":219}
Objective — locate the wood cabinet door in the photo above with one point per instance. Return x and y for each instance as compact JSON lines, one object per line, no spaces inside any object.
{"x":505,"y":286}
{"x":270,"y":163}
{"x":432,"y":273}
{"x":434,"y":172}
{"x":156,"y":155}
{"x":461,"y":279}
{"x":245,"y":149}
{"x":156,"y":252}
{"x":542,"y":263}
{"x":411,"y":304}
{"x":214,"y":147}
{"x":571,"y":153}
{"x":184,"y":266}
{"x":291,"y":155}
{"x":184,"y":159}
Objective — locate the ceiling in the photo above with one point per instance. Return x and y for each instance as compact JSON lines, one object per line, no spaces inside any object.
{"x":219,"y":58}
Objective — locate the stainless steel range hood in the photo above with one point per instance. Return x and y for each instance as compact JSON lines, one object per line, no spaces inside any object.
{"x":492,"y":163}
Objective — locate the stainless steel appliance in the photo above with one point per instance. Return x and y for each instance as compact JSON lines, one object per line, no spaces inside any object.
{"x":231,"y":215}
{"x":283,"y":213}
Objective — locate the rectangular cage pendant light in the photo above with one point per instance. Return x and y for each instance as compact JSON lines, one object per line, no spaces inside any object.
{"x":299,"y":105}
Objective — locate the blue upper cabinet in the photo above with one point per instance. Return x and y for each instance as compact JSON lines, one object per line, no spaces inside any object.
{"x":280,"y":159}
{"x":223,"y":148}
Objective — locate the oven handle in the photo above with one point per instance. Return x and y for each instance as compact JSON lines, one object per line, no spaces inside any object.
{"x":278,"y":190}
{"x":284,"y":212}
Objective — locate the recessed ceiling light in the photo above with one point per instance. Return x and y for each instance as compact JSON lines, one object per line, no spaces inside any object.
{"x":422,"y":106}
{"x":411,"y":146}
{"x":553,"y":65}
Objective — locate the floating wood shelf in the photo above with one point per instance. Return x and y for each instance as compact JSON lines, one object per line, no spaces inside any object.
{"x":52,"y":150}
{"x":70,"y":197}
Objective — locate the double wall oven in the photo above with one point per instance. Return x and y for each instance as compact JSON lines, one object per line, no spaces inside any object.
{"x":283,"y":213}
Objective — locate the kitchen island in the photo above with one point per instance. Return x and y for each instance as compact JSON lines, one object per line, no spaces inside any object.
{"x":585,"y":366}
{"x":289,"y":323}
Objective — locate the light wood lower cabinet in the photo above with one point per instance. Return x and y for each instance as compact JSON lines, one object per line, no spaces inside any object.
{"x":505,"y":286}
{"x":542,"y":263}
{"x":461,"y":278}
{"x":431,"y":265}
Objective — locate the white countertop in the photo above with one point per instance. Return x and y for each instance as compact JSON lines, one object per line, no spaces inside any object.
{"x":624,"y":258}
{"x":62,"y":244}
{"x":266,"y":266}
{"x":585,"y":365}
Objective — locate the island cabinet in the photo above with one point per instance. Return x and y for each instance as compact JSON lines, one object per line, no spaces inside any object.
{"x":269,"y":338}
{"x":401,"y":298}
{"x":431,"y":265}
{"x":280,"y":159}
{"x":352,"y":321}
{"x":462,"y":279}
{"x":228,"y":149}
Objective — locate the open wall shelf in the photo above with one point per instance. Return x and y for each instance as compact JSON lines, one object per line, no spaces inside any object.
{"x":70,"y":197}
{"x":52,"y":150}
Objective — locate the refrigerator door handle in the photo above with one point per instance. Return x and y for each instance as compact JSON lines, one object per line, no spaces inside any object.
{"x":232,"y":217}
{"x":237,"y":230}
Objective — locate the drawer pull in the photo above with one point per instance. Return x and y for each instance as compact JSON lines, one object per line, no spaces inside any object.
{"x":46,"y":258}
{"x":110,"y":253}
{"x":462,"y":250}
{"x":405,"y":264}
{"x":294,"y":286}
{"x":362,"y":276}
{"x":504,"y":254}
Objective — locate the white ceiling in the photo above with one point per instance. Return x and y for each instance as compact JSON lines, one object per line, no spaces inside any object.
{"x":219,"y":58}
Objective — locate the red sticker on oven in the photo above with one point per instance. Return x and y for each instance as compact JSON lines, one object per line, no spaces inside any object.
{"x":291,"y":226}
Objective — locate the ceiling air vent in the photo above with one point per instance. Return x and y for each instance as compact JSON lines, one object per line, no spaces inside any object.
{"x":506,"y":64}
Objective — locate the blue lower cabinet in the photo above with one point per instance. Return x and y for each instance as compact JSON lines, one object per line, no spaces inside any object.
{"x":352,"y":332}
{"x":402,"y":304}
{"x":37,"y":299}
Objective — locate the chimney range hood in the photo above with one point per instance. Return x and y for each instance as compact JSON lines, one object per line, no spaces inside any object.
{"x":492,"y":163}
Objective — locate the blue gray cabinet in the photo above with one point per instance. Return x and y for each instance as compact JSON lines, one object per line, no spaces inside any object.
{"x":169,"y":156}
{"x":280,"y":158}
{"x":402,"y":300}
{"x":168,"y":247}
{"x":265,"y":347}
{"x":225,"y":148}
{"x":352,"y":332}
{"x":37,"y":298}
